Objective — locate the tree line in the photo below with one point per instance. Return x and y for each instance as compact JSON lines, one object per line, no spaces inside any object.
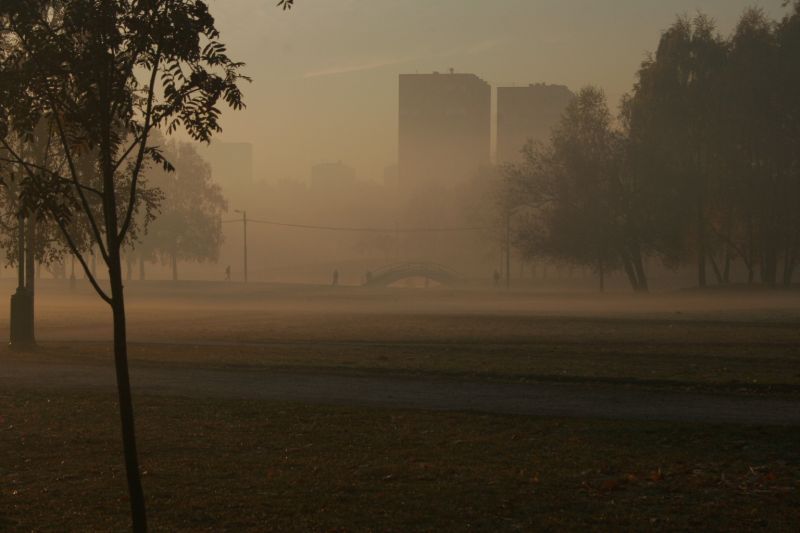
{"x":185,"y":226}
{"x":701,"y":164}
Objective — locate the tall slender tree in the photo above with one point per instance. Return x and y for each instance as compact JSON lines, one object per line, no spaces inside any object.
{"x":102,"y":75}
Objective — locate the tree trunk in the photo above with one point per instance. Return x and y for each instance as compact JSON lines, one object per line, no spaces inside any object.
{"x":630,"y":271}
{"x":751,"y":256}
{"x":726,"y":251}
{"x":701,"y":244}
{"x":601,"y":273}
{"x":135,"y":491}
{"x":726,"y":273}
{"x":715,"y":266}
{"x":30,"y":254}
{"x":769,"y":268}
{"x":30,"y":272}
{"x":788,"y":267}
{"x":641,"y":275}
{"x":117,"y":300}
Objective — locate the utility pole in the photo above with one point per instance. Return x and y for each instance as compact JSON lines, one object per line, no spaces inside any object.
{"x":508,"y":249}
{"x":244,"y":225}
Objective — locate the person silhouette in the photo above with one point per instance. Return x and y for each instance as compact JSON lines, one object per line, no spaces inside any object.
{"x":335,"y":278}
{"x":496,"y":278}
{"x":228,"y":273}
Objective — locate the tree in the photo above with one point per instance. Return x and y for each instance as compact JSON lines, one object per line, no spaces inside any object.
{"x":788,"y":33}
{"x":26,"y":238}
{"x":583,"y":197}
{"x":189,"y":227}
{"x":102,"y":75}
{"x":673,"y":118}
{"x":762,"y":119}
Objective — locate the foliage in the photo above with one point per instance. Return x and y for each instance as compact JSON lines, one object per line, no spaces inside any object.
{"x":705,"y":165}
{"x":578,"y":189}
{"x":189,"y":227}
{"x":43,"y":239}
{"x":100,"y":76}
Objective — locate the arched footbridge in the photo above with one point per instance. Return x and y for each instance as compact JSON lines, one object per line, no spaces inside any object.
{"x":400,"y":271}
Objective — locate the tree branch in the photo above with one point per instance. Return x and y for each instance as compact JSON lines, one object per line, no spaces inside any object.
{"x":142,"y":147}
{"x":75,"y":252}
{"x":67,"y":154}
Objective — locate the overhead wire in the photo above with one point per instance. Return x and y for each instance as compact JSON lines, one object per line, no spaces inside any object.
{"x":359,"y":229}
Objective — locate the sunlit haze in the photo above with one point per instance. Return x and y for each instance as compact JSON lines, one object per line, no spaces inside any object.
{"x":400,"y":266}
{"x":325,"y":76}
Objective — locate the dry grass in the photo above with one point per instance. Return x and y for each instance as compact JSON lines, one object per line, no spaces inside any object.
{"x":244,"y":465}
{"x":730,"y":341}
{"x":248,"y":465}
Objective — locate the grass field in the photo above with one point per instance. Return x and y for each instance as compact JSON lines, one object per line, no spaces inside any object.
{"x":731,"y":341}
{"x":241,"y":465}
{"x":234,"y":465}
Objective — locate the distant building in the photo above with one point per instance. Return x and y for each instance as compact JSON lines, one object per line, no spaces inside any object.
{"x":444,"y":128}
{"x":527,"y":113}
{"x":332,"y":177}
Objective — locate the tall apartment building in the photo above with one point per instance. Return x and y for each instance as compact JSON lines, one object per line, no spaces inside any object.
{"x":444,"y":128}
{"x":527,"y":113}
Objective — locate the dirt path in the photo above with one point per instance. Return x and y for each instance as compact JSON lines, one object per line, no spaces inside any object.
{"x":536,"y":399}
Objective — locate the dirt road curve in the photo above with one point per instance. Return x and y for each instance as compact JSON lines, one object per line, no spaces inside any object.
{"x":536,"y":399}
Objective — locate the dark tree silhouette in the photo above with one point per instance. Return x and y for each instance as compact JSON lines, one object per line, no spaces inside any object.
{"x":705,"y":165}
{"x":26,"y":237}
{"x":581,"y":195}
{"x":102,"y":75}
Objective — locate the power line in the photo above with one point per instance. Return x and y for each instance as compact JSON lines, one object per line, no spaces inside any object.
{"x":360,"y":229}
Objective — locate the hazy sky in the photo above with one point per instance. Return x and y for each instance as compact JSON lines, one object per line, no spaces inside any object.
{"x":325,"y":74}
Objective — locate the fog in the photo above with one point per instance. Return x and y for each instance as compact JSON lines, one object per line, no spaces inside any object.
{"x":325,"y":77}
{"x":320,"y":96}
{"x":400,"y":265}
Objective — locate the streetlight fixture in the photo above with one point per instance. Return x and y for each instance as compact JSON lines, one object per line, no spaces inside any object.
{"x":244,"y":225}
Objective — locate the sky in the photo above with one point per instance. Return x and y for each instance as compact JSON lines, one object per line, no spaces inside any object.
{"x":325,"y":73}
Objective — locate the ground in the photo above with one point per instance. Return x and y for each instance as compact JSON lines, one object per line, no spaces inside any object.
{"x":257,"y":410}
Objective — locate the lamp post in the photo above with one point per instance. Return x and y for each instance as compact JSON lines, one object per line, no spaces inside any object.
{"x":22,"y":317}
{"x":508,"y":250}
{"x":509,"y":213}
{"x":244,"y":226}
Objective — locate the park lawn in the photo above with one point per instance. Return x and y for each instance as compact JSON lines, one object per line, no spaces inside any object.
{"x":240,"y":465}
{"x":725,"y":341}
{"x":710,"y":365}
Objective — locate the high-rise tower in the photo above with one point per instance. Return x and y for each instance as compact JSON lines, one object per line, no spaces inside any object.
{"x":445,"y":128}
